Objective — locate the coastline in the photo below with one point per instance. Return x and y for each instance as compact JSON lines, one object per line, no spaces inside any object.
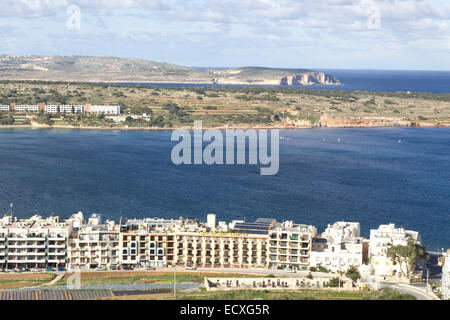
{"x":233,"y":126}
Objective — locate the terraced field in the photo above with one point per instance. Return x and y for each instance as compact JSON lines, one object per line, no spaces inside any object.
{"x":255,"y":106}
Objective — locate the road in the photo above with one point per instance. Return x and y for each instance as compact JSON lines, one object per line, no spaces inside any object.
{"x":415,"y":290}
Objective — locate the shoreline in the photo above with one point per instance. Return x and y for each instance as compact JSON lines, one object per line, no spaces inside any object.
{"x":224,"y":127}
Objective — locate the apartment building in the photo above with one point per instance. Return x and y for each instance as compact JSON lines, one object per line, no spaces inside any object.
{"x":64,"y":108}
{"x":25,"y":107}
{"x":97,"y":109}
{"x":381,"y":240}
{"x":446,"y":276}
{"x":33,"y":243}
{"x":339,"y":247}
{"x":264,"y":243}
{"x":290,"y":245}
{"x":94,"y":244}
{"x":221,"y":250}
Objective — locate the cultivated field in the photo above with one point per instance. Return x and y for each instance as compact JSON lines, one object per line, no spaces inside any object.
{"x":231,"y":106}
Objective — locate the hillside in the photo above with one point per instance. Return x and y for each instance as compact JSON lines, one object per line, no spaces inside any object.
{"x":111,"y":69}
{"x":224,"y":106}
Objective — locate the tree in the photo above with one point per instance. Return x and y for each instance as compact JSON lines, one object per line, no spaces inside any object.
{"x":335,"y":282}
{"x":407,"y":256}
{"x":353,"y":274}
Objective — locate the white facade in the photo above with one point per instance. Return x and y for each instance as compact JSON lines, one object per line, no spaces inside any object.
{"x":64,"y":108}
{"x":290,"y":245}
{"x":381,"y":240}
{"x":5,"y":107}
{"x":34,"y":242}
{"x":94,"y":245}
{"x":446,"y":276}
{"x":211,"y":221}
{"x":28,"y":108}
{"x":105,"y":109}
{"x":338,"y":248}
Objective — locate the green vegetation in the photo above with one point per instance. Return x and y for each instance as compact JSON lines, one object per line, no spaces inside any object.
{"x":385,"y":294}
{"x":335,"y":282}
{"x":6,"y":118}
{"x":407,"y":256}
{"x":240,"y":105}
{"x":353,"y":274}
{"x":166,"y":277}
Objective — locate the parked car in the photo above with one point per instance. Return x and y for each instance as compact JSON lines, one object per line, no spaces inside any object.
{"x":291,"y":270}
{"x":191,"y":268}
{"x":127,"y":268}
{"x":113,"y":268}
{"x":61,"y":269}
{"x":36,"y":270}
{"x":150,"y":268}
{"x":100,"y":269}
{"x":50,"y":270}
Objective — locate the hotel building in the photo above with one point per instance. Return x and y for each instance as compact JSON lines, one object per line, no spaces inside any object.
{"x":4,"y":108}
{"x":25,"y":108}
{"x":64,"y":108}
{"x":112,"y":110}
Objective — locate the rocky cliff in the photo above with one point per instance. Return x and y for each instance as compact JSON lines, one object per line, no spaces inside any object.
{"x":112,"y":69}
{"x":309,"y":78}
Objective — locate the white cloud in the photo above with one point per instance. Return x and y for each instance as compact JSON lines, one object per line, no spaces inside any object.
{"x":249,"y":28}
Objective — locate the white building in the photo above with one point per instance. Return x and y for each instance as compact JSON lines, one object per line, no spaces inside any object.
{"x":64,"y":108}
{"x":381,"y":240}
{"x":4,"y":107}
{"x":290,"y":245}
{"x":26,"y":108}
{"x":102,"y":109}
{"x":339,"y":247}
{"x":33,"y":243}
{"x":446,"y":276}
{"x":94,"y":245}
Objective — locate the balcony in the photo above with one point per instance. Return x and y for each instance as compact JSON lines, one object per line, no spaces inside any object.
{"x":56,"y":260}
{"x":57,"y":247}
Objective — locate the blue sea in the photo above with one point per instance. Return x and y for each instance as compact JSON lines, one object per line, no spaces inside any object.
{"x":374,"y":176}
{"x":367,"y":80}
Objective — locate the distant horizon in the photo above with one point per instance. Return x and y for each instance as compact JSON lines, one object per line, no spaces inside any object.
{"x":227,"y":67}
{"x":354,"y":35}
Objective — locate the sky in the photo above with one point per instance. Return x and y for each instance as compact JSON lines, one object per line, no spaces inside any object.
{"x":341,"y":34}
